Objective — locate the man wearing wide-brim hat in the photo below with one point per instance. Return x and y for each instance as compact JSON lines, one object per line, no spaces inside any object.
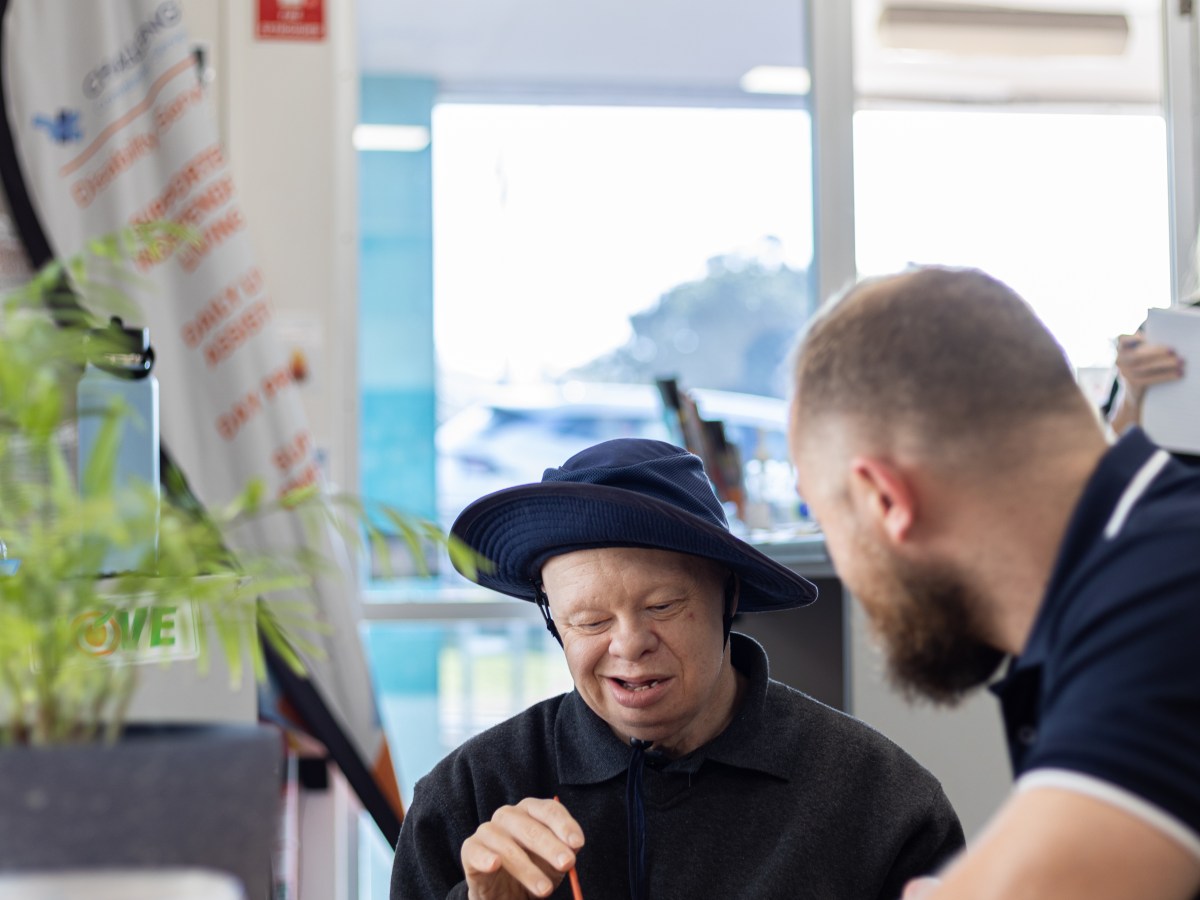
{"x":676,"y":768}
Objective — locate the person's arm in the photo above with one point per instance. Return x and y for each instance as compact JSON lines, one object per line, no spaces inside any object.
{"x":1140,"y":365}
{"x":1059,"y":844}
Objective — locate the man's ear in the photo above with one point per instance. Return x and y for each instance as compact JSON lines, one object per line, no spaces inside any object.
{"x":884,"y":495}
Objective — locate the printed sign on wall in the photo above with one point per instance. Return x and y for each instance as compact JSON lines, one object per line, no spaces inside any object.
{"x":290,"y":20}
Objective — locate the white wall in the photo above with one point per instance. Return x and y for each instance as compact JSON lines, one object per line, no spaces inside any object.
{"x":286,"y":110}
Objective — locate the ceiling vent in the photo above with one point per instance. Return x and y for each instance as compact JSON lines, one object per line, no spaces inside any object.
{"x":965,"y":30}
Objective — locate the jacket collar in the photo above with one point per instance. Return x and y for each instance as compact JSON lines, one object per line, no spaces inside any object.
{"x":589,"y":752}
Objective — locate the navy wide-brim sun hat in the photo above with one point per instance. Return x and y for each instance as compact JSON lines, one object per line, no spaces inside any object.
{"x":628,"y":492}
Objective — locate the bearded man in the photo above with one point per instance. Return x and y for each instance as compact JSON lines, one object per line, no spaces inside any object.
{"x":972,"y":503}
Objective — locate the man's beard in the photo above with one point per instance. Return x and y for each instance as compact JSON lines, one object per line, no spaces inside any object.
{"x":925,"y":617}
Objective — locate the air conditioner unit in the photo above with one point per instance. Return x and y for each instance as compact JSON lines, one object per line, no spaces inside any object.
{"x":961,"y":29}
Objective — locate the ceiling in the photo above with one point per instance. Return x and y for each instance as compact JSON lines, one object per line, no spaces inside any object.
{"x":623,"y":48}
{"x":680,"y":51}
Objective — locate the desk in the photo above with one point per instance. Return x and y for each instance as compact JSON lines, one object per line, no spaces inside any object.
{"x":807,"y":647}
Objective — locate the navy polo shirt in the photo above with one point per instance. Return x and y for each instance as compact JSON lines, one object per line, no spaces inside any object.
{"x":1105,"y":698}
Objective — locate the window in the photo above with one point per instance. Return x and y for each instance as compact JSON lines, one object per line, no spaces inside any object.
{"x":581,"y":252}
{"x":1069,"y":208}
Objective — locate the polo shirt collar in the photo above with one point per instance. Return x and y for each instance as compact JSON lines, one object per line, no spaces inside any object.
{"x":1103,"y":491}
{"x":1019,"y":691}
{"x":589,"y":752}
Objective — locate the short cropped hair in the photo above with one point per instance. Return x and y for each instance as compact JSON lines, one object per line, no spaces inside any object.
{"x":936,"y":354}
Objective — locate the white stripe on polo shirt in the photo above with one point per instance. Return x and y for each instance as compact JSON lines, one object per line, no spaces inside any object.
{"x":1109,"y":793}
{"x":1134,"y":490}
{"x":1088,"y":785}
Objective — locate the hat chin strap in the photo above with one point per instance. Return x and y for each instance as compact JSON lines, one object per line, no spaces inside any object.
{"x":543,"y":603}
{"x":731,"y":592}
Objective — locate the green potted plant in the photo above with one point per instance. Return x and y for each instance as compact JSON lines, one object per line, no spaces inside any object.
{"x":76,"y":786}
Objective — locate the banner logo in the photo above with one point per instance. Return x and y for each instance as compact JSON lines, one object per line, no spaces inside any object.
{"x":62,"y":128}
{"x":137,"y":634}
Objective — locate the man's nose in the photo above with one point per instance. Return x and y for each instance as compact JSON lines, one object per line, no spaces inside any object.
{"x":631,"y":639}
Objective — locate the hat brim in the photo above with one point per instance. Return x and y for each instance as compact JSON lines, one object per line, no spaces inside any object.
{"x":517,"y":529}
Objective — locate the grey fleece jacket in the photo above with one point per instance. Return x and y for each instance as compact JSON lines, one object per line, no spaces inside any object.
{"x":793,"y":800}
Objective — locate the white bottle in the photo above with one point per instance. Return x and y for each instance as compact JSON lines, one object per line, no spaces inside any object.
{"x":119,"y":372}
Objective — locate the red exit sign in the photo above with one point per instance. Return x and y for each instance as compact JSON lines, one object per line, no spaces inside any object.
{"x":290,"y":20}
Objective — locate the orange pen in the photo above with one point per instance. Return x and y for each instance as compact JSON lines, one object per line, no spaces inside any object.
{"x":576,"y":890}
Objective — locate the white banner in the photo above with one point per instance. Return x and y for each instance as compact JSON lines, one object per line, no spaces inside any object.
{"x":111,"y":127}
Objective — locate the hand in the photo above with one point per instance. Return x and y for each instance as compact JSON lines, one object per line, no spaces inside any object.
{"x":1142,"y":364}
{"x":920,"y":887}
{"x":525,"y":850}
